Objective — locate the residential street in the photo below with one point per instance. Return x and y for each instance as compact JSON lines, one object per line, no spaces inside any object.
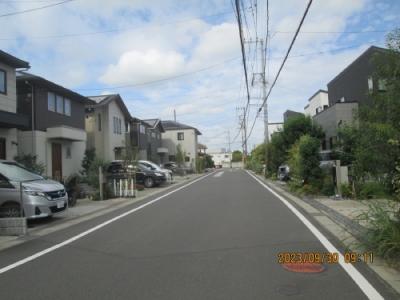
{"x":217,"y":238}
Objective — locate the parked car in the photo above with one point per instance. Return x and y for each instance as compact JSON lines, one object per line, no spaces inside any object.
{"x":170,"y":166}
{"x":155,"y":167}
{"x":283,"y":172}
{"x":146,"y":176}
{"x":41,"y":197}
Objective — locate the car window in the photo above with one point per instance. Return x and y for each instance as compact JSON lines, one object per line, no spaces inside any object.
{"x":4,"y":183}
{"x":17,"y":173}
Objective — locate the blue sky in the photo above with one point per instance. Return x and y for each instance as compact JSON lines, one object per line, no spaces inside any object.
{"x":185,"y":55}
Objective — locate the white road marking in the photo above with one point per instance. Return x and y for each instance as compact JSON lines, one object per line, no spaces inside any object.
{"x":219,"y":174}
{"x":358,"y":278}
{"x":81,"y":235}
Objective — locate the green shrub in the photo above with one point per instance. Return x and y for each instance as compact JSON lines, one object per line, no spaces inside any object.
{"x":328,"y":186}
{"x":372,"y":189}
{"x":309,"y":189}
{"x":30,"y":162}
{"x":383,"y":230}
{"x":347,"y":191}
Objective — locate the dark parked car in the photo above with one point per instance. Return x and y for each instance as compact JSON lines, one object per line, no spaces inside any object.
{"x":149,"y":178}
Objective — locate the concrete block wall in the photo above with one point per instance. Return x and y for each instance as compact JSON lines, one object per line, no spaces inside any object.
{"x":13,"y":226}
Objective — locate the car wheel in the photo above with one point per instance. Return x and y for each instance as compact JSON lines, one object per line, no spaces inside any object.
{"x":149,"y":182}
{"x":11,"y":210}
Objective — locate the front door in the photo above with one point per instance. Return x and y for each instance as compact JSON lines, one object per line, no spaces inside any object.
{"x":56,"y":161}
{"x":2,"y":148}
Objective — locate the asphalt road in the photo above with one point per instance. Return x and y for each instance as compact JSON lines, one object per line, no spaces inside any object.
{"x":217,"y":238}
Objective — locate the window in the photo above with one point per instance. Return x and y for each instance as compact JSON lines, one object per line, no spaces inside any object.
{"x":187,"y":158}
{"x":3,"y":82}
{"x":68,"y":152}
{"x":181,"y":136}
{"x":114,"y":125}
{"x":370,"y":84}
{"x":171,"y":158}
{"x":99,"y":122}
{"x":119,"y":126}
{"x":51,"y":101}
{"x":153,"y":135}
{"x":142,"y":129}
{"x":60,"y":104}
{"x":67,"y":107}
{"x":4,"y":183}
{"x":127,"y":127}
{"x":326,"y":107}
{"x":3,"y":148}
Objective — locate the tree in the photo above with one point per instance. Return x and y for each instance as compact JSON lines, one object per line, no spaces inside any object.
{"x":208,"y":161}
{"x":256,"y":159}
{"x":282,"y":141}
{"x":180,"y":155}
{"x":371,"y":144}
{"x":304,"y":161}
{"x":90,"y":156}
{"x":236,"y":156}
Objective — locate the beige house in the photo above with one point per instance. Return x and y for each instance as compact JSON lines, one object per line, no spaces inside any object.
{"x":10,"y":121}
{"x":180,"y":134}
{"x":107,"y":126}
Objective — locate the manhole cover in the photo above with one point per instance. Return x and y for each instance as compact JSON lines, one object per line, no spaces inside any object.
{"x":304,"y":267}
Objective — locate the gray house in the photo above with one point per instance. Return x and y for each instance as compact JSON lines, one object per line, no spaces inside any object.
{"x":10,"y":120}
{"x":349,"y":89}
{"x":145,"y":135}
{"x":56,"y":132}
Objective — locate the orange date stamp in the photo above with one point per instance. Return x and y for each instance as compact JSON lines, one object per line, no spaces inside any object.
{"x":324,"y":257}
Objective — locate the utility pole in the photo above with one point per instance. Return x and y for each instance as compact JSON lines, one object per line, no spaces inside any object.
{"x":264,"y":93}
{"x":174,"y":115}
{"x":229,"y":149}
{"x":243,"y":126}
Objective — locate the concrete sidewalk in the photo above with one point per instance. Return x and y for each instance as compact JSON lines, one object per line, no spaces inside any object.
{"x":86,"y":209}
{"x":339,"y":217}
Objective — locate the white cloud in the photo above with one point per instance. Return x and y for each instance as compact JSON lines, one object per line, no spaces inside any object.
{"x":135,"y":66}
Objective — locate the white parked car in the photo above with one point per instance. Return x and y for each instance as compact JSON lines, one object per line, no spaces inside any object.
{"x":152,"y":166}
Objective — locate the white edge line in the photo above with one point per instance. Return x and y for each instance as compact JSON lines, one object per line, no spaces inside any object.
{"x":81,"y":235}
{"x":358,"y":278}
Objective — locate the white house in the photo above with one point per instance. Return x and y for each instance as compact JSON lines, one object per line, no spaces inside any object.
{"x":317,"y":103}
{"x":180,"y":134}
{"x":107,"y":124}
{"x":221,"y":159}
{"x":9,"y":119}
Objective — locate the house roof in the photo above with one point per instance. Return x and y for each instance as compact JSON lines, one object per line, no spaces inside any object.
{"x":25,"y":76}
{"x":173,"y":125}
{"x":370,"y":51}
{"x":13,"y":61}
{"x":99,"y":101}
{"x":153,"y":123}
{"x":316,"y":93}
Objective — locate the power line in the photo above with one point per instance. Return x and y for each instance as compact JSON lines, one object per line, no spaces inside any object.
{"x":281,"y":67}
{"x":34,"y":9}
{"x":66,"y":35}
{"x":159,"y":80}
{"x":237,"y":5}
{"x":287,"y":53}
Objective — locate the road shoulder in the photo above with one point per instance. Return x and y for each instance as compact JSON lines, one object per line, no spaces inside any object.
{"x":345,"y":231}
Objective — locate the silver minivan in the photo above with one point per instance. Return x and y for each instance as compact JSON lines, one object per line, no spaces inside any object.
{"x":41,"y":197}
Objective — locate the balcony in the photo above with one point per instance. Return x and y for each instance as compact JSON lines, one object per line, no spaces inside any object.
{"x":66,"y":133}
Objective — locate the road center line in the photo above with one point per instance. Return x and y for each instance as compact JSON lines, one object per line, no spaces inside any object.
{"x":89,"y":231}
{"x":219,"y":174}
{"x":358,"y":278}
